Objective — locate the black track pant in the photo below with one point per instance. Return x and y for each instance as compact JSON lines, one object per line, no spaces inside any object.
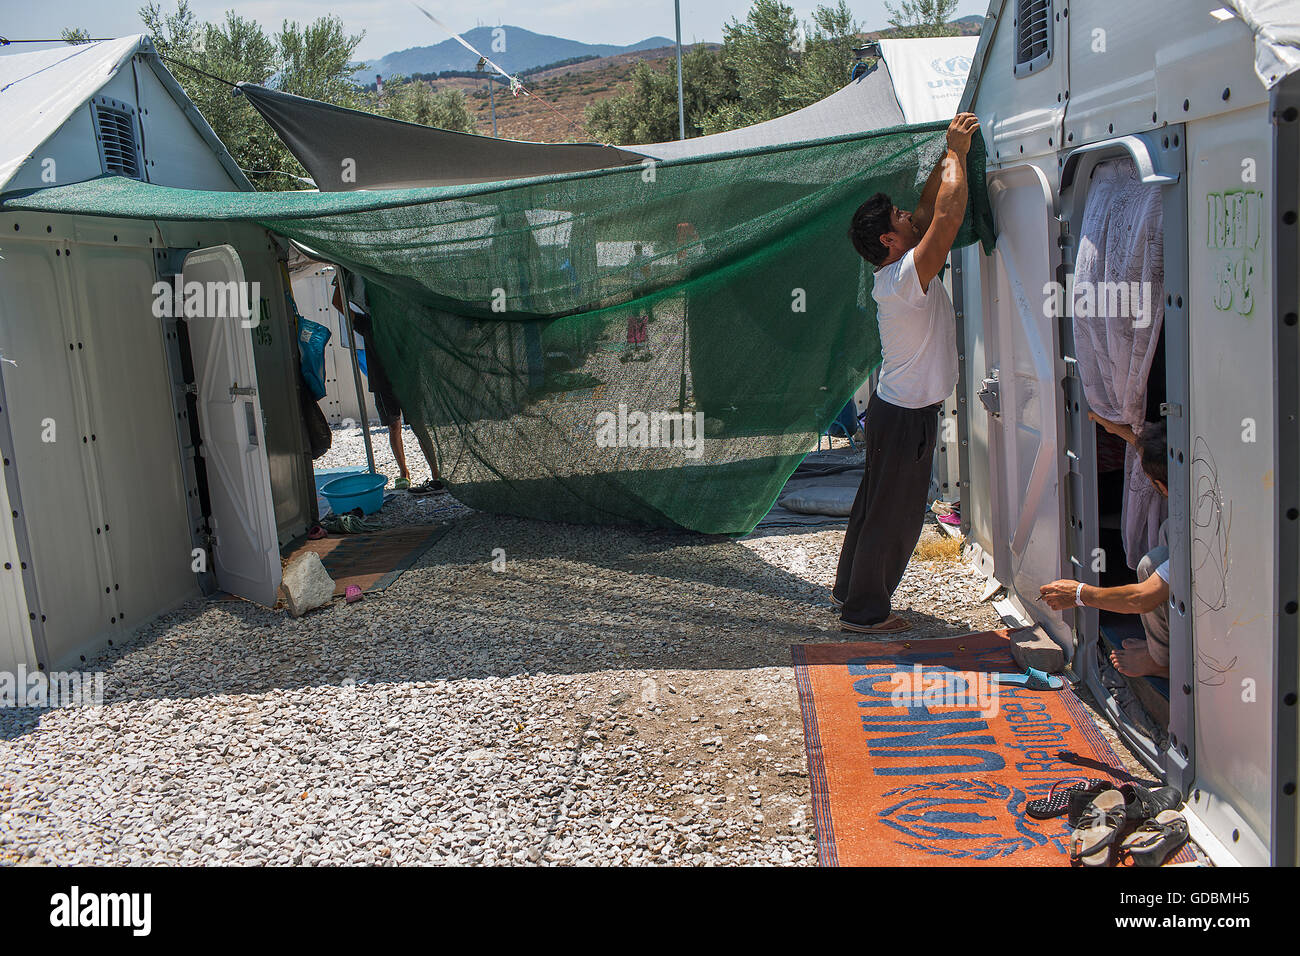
{"x":888,"y":512}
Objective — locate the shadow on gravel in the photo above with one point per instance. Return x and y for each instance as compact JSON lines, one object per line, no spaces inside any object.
{"x":569,"y":600}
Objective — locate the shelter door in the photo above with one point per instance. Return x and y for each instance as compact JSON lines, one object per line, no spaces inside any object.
{"x":245,"y":556}
{"x":1022,"y":395}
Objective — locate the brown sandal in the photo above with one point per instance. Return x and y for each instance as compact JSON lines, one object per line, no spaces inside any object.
{"x":890,"y":625}
{"x":1093,"y":842}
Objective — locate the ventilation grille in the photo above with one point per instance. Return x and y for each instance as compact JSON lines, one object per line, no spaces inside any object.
{"x":115,"y":130}
{"x":1033,"y":35}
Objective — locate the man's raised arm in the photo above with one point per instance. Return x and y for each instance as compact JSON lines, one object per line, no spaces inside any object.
{"x":949,"y":202}
{"x":923,"y":215}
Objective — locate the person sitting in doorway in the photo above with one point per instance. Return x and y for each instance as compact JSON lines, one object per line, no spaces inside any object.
{"x":1149,"y":597}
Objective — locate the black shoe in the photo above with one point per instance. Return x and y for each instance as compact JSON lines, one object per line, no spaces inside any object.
{"x":1141,"y":804}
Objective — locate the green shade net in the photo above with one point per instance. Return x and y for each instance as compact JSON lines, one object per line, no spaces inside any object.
{"x":557,"y":373}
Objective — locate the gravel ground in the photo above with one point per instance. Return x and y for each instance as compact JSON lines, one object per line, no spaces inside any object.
{"x":609,"y":697}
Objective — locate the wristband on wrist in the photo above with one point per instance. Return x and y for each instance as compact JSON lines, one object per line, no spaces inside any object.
{"x":1078,"y":595}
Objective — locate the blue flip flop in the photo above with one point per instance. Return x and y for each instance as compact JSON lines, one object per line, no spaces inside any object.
{"x":1033,"y":679}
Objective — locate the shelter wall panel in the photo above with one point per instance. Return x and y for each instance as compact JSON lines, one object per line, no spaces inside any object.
{"x":134,"y":434}
{"x":15,"y":635}
{"x":1230,"y":225}
{"x":1020,"y":116}
{"x":60,"y":493}
{"x":1125,"y":71}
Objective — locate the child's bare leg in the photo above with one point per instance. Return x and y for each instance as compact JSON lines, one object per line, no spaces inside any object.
{"x":399,"y":451}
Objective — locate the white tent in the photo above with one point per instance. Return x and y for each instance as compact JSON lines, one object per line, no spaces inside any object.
{"x":147,"y":459}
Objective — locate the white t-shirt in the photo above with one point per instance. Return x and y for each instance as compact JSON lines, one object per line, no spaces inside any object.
{"x":918,"y":337}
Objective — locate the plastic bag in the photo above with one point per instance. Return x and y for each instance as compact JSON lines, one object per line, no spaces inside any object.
{"x":312,"y":338}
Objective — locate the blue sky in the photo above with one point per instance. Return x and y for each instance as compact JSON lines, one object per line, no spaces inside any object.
{"x":395,"y":24}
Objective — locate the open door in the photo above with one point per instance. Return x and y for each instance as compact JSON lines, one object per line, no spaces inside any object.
{"x":1021,"y":395}
{"x":245,"y":555}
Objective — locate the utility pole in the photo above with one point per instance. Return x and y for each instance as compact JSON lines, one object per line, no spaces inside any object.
{"x":681,"y":103}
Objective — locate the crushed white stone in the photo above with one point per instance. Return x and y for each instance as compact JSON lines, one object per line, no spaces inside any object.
{"x":610,"y":697}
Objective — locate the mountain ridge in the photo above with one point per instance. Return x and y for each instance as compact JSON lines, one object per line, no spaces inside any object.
{"x":523,"y":50}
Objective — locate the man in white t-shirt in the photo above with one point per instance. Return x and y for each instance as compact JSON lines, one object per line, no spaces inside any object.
{"x":918,"y":341}
{"x":1149,"y":596}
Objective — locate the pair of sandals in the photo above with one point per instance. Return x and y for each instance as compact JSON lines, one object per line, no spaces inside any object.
{"x":1111,"y":822}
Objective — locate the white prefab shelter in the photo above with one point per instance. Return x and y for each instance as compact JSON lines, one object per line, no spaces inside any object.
{"x":147,"y":458}
{"x":1195,"y":103}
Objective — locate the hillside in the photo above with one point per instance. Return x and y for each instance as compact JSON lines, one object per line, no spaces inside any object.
{"x":568,"y":88}
{"x":524,"y":50}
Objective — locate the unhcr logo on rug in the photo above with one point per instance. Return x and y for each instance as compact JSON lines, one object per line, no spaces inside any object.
{"x":927,"y":687}
{"x":636,"y":429}
{"x":179,"y":299}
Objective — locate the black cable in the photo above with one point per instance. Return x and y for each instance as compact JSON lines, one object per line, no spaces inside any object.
{"x":5,"y":41}
{"x":277,"y":172}
{"x":195,"y":69}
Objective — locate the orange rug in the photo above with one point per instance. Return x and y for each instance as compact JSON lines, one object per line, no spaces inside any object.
{"x":942,"y":777}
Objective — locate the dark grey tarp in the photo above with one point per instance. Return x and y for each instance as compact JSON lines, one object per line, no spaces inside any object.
{"x":389,"y":154}
{"x":381,"y":153}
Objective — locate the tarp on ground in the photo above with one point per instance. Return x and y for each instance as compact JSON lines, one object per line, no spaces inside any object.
{"x":537,"y":352}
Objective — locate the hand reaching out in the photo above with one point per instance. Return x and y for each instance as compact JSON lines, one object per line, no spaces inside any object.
{"x":1118,"y":429}
{"x":960,"y":131}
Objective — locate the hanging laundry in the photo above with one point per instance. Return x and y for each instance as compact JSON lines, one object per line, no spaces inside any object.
{"x":1118,"y":310}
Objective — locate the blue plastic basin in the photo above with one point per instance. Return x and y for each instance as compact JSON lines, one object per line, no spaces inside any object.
{"x":364,"y":491}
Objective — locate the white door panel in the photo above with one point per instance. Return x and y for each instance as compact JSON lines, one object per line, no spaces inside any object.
{"x":1022,"y":354}
{"x":246,"y":557}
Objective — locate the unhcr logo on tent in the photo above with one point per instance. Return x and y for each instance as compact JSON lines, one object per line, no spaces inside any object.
{"x":179,"y":299}
{"x":955,"y":66}
{"x":56,"y":689}
{"x":636,"y":429}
